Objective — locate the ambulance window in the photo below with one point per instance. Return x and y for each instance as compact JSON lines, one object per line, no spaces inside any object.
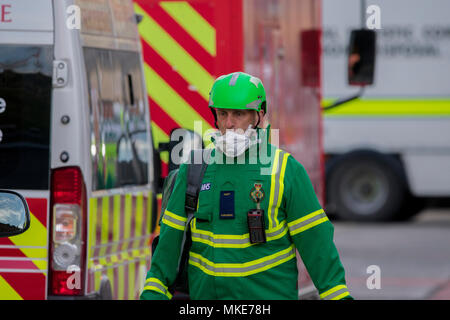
{"x":25,"y":101}
{"x":117,"y":117}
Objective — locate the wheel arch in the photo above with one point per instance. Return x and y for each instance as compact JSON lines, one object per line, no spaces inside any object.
{"x":395,"y":159}
{"x":334,"y":162}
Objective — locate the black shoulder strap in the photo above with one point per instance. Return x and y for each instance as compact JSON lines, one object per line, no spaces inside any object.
{"x":195,"y":172}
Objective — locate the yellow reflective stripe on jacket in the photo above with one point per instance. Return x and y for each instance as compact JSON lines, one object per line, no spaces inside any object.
{"x":335,"y":293}
{"x":156,"y":285}
{"x":241,"y":269}
{"x":307,"y":222}
{"x":174,"y":221}
{"x":231,"y":240}
{"x":276,"y":186}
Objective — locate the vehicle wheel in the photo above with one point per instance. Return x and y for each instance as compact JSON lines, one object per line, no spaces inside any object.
{"x":366,"y":186}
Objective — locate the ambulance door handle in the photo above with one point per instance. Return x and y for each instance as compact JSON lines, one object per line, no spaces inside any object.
{"x":60,"y":73}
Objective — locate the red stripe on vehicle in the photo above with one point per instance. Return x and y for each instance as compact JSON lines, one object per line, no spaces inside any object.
{"x":16,"y":252}
{"x":109,"y":246}
{"x":116,"y":282}
{"x":205,"y":9}
{"x":144,"y":233}
{"x":179,"y":34}
{"x":17,"y":264}
{"x":38,"y":207}
{"x":30,"y":286}
{"x":132,"y":222}
{"x":177,"y":83}
{"x":126,"y":278}
{"x":122,"y":220}
{"x":98,"y":229}
{"x":136,"y":279}
{"x":10,"y":252}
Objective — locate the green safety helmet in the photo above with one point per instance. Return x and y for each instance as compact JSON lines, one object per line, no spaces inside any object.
{"x":237,"y":90}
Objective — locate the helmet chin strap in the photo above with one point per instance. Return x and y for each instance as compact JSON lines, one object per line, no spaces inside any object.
{"x":259,"y":120}
{"x":215,"y":118}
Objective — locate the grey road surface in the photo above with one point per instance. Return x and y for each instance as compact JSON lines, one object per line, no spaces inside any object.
{"x":397,"y":261}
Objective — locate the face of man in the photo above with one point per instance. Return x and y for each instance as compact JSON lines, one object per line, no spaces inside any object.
{"x":237,"y":119}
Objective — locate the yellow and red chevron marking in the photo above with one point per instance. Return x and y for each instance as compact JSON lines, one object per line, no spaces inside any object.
{"x":119,"y":235}
{"x":23,"y":258}
{"x":179,"y":47}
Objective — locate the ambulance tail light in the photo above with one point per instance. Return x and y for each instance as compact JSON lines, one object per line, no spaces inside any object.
{"x":68,"y":232}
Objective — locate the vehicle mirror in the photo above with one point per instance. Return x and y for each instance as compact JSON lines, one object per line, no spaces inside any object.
{"x":14,"y":214}
{"x":361,"y":57}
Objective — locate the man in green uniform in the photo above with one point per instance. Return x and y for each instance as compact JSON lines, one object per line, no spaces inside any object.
{"x":252,"y":215}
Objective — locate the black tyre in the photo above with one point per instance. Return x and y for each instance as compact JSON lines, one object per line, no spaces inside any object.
{"x":411,"y":207}
{"x":366,"y":186}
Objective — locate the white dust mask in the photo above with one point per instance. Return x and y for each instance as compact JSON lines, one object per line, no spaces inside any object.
{"x":233,"y":144}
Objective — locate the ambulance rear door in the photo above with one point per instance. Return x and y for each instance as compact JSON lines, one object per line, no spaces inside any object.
{"x":26,"y":59}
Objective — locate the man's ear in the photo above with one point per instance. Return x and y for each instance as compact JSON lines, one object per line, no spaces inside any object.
{"x":259,"y":117}
{"x":261,"y":114}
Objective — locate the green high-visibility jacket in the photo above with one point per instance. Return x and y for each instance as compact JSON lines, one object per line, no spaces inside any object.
{"x":223,"y":263}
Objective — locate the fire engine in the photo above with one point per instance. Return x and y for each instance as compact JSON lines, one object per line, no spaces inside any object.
{"x":88,"y":102}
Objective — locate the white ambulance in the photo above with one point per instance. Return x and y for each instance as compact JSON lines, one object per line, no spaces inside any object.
{"x":75,"y":142}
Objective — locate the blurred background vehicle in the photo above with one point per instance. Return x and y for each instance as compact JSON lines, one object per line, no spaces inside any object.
{"x":388,"y":151}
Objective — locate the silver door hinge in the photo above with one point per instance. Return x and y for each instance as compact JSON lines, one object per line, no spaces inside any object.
{"x":60,"y":73}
